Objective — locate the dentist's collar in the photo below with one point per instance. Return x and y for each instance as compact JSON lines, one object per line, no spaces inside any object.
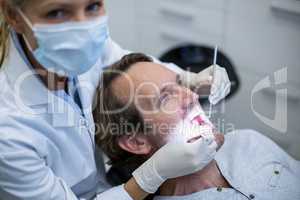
{"x":23,"y":78}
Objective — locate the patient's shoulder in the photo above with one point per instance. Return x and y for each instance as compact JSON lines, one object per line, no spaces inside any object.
{"x":250,"y":143}
{"x":240,"y":141}
{"x":247,"y":135}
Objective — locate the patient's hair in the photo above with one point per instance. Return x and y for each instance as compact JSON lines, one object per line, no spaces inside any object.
{"x":109,"y":126}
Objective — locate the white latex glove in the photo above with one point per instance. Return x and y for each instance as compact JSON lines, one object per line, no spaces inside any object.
{"x":216,"y":88}
{"x":173,"y":160}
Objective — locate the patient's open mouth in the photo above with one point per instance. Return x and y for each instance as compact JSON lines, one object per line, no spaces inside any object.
{"x":199,"y":121}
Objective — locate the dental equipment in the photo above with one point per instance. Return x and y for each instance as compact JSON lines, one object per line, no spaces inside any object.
{"x":213,"y":76}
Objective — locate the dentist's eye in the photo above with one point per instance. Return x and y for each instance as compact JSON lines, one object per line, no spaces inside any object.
{"x":95,"y":7}
{"x":56,"y":14}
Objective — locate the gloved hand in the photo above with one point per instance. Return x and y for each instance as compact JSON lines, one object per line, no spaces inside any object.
{"x":217,"y":87}
{"x":175,"y":159}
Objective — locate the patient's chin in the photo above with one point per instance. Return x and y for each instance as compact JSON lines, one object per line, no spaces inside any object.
{"x":219,"y":138}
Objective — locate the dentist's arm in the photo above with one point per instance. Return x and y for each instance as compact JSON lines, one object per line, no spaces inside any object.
{"x":129,"y":191}
{"x":171,"y":161}
{"x":175,"y":159}
{"x":24,"y":174}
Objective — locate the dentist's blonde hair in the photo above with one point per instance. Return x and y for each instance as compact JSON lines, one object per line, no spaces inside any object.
{"x":4,"y":26}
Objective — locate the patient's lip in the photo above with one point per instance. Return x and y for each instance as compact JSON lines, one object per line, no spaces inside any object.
{"x":219,"y":139}
{"x":194,"y":139}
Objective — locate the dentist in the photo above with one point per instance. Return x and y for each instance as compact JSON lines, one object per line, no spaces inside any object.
{"x":52,"y":53}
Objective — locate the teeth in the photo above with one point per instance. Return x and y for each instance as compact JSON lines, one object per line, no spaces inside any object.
{"x":198,"y":121}
{"x":196,"y":111}
{"x":197,"y":115}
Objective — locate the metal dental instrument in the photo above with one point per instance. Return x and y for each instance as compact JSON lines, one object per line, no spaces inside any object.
{"x":213,"y":76}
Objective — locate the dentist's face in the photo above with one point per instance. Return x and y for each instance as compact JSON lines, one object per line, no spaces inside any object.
{"x":55,"y":12}
{"x":58,"y":11}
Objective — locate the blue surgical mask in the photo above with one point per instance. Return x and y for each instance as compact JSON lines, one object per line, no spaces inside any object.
{"x":71,"y":48}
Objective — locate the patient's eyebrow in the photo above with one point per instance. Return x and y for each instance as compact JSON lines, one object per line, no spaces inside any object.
{"x":164,"y":89}
{"x":169,"y":84}
{"x":168,"y":87}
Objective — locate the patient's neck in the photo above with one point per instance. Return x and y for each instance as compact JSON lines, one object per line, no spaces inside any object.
{"x":208,"y":177}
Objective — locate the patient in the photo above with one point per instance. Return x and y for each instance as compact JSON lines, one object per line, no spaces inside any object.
{"x":140,"y":106}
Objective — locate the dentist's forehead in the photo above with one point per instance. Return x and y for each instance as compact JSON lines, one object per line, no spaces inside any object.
{"x":48,"y":3}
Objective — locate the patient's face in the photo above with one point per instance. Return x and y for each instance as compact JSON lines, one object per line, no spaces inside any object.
{"x":159,"y":99}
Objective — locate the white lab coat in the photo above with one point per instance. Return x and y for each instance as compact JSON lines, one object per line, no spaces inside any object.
{"x":46,"y":146}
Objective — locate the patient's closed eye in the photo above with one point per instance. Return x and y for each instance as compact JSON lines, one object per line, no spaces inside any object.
{"x":163,"y":98}
{"x":166,"y":95}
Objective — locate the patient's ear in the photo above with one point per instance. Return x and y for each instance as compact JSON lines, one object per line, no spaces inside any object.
{"x":138,"y":144}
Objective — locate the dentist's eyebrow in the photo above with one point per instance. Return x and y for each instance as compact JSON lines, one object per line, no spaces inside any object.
{"x":55,"y":4}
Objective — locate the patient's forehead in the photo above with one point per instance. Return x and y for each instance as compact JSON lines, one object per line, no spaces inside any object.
{"x":143,"y":78}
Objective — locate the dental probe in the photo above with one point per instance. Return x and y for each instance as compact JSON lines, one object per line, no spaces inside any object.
{"x":213,"y":76}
